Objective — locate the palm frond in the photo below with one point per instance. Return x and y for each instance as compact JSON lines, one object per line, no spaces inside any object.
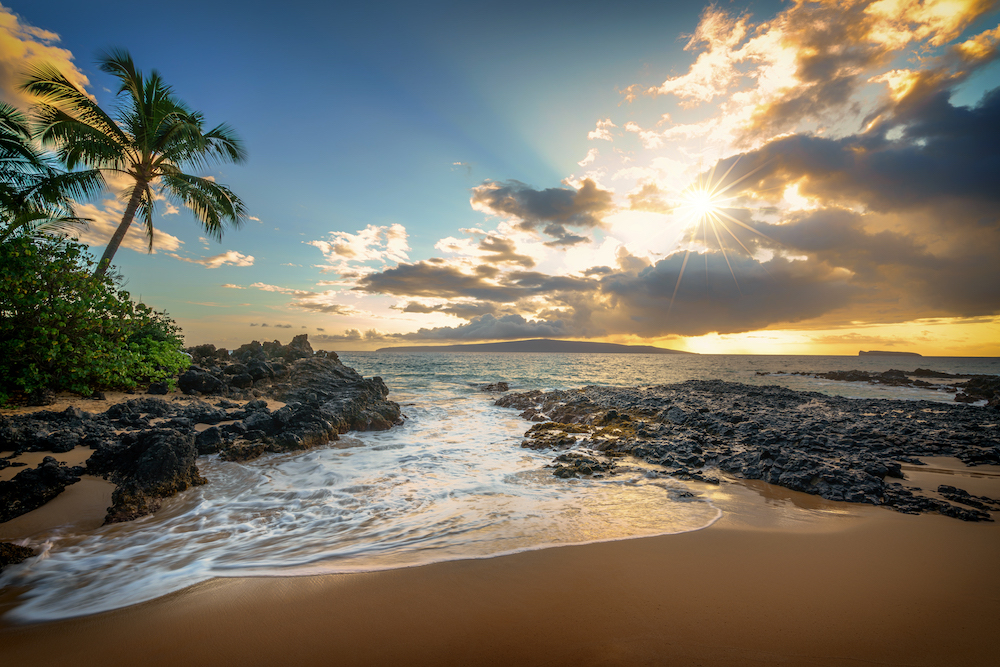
{"x":76,"y":142}
{"x":215,"y":205}
{"x":54,"y":89}
{"x":38,"y":222}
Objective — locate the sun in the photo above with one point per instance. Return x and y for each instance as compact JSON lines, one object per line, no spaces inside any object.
{"x":705,"y":204}
{"x":702,"y":203}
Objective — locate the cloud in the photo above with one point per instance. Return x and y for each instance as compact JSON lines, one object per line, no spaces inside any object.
{"x":649,"y":198}
{"x":283,"y":290}
{"x":808,"y":62}
{"x":465,"y":310}
{"x":499,"y":250}
{"x":551,"y":211}
{"x":104,"y":222}
{"x":355,"y":336}
{"x":491,"y":250}
{"x":231,"y":286}
{"x":649,"y":138}
{"x":254,"y":218}
{"x":854,"y":338}
{"x":230,"y":257}
{"x":346,"y":253}
{"x":325,"y":302}
{"x":23,"y":45}
{"x":945,"y":154}
{"x":488,"y":327}
{"x":591,"y":156}
{"x":433,"y":279}
{"x":601,"y":131}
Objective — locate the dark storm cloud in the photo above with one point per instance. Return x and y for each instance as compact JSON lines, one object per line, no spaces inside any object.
{"x":710,"y":299}
{"x":551,"y":211}
{"x":946,"y":154}
{"x":902,"y":276}
{"x":432,"y":280}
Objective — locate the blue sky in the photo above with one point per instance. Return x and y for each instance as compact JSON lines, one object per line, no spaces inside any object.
{"x":410,"y":121}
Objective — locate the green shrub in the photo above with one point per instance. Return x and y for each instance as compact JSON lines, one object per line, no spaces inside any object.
{"x":62,"y":328}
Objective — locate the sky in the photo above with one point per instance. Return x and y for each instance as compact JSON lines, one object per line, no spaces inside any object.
{"x":739,"y":177}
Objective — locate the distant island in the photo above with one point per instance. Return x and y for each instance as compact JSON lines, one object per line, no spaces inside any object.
{"x":883,"y":353}
{"x":539,"y":345}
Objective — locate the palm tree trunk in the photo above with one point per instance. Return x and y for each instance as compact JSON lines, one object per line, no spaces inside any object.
{"x":119,"y":235}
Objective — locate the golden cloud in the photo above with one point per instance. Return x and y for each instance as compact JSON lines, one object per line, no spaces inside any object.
{"x":23,"y":45}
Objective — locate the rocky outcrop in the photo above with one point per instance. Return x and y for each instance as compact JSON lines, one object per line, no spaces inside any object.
{"x":247,"y":371}
{"x":340,"y":394}
{"x":32,"y":488}
{"x":47,"y":431}
{"x":838,"y":448}
{"x":982,"y":387}
{"x":148,"y":446}
{"x":146,"y":467}
{"x":974,"y":388}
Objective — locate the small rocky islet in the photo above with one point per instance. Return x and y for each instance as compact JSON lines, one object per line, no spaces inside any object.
{"x":841,"y":449}
{"x":148,"y":447}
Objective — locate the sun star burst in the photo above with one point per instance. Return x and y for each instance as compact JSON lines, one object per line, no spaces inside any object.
{"x":705,"y":204}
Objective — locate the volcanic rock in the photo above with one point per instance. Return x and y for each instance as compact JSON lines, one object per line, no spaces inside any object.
{"x":32,"y":488}
{"x":343,"y":397}
{"x":147,"y":467}
{"x":196,"y":379}
{"x":838,"y":448}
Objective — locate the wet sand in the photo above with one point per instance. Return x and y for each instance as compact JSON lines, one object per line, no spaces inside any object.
{"x":781,"y":579}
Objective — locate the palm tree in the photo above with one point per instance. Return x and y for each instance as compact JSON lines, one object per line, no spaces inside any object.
{"x":150,"y":139}
{"x":35,"y":197}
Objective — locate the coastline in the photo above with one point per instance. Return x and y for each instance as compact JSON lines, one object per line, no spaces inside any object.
{"x":782,"y":579}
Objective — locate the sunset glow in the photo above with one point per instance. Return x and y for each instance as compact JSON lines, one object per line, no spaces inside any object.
{"x":809,"y":177}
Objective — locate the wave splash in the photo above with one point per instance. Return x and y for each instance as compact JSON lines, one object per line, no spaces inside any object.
{"x":450,"y":484}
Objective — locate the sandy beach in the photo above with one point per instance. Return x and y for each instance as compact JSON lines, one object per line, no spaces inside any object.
{"x":782,"y":579}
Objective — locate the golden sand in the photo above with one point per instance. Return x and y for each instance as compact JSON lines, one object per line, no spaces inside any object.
{"x":781,"y":579}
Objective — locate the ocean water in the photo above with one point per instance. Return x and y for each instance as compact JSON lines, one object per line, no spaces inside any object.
{"x":451,"y":483}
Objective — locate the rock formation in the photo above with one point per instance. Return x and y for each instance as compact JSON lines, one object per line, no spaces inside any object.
{"x":150,"y":461}
{"x":838,"y":448}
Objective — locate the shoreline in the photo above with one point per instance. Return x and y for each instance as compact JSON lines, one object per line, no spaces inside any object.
{"x":782,"y":578}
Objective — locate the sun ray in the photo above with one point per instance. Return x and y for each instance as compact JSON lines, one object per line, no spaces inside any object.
{"x":726,"y":256}
{"x":687,"y":253}
{"x":704,"y":203}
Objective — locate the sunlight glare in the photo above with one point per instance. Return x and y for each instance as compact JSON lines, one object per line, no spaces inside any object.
{"x":702,"y":203}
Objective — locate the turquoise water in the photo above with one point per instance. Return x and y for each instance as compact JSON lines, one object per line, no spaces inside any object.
{"x":451,"y":483}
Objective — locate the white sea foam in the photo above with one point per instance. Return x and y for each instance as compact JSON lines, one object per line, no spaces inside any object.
{"x":450,"y":484}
